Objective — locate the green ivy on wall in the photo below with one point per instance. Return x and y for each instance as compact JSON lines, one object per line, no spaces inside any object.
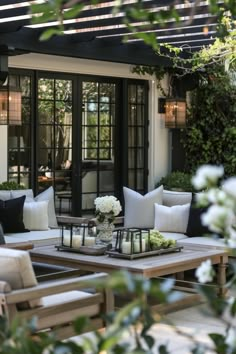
{"x":211,"y":127}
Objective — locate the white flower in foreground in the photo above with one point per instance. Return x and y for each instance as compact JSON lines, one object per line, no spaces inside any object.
{"x":218,"y":218}
{"x":229,"y":186}
{"x":202,"y":199}
{"x":207,"y":174}
{"x":231,"y":240}
{"x":216,"y":195}
{"x":205,"y":273}
{"x":230,"y":339}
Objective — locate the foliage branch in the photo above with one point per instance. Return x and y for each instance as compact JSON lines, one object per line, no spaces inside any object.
{"x":211,"y":122}
{"x":223,"y":47}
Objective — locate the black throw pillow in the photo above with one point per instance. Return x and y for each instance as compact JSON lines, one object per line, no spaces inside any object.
{"x":11,"y":215}
{"x":195,"y":227}
{"x":2,"y":239}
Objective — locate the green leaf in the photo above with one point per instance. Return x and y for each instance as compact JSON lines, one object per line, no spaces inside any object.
{"x":80,"y":324}
{"x":162,"y":349}
{"x":219,"y":341}
{"x":74,"y":11}
{"x":49,"y":33}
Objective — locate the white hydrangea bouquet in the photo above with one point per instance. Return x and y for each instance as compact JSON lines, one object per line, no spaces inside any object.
{"x":220,"y":195}
{"x":107,"y":207}
{"x":220,"y":217}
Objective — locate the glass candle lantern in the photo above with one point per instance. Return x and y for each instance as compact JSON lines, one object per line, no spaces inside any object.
{"x":132,"y":240}
{"x":76,"y":236}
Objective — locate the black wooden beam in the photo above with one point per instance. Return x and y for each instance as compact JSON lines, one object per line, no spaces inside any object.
{"x":196,"y":26}
{"x":135,"y":53}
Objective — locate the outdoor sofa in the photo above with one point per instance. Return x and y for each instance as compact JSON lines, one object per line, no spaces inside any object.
{"x":173,"y":213}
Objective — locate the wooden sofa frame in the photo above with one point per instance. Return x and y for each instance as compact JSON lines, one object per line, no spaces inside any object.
{"x":104,"y":299}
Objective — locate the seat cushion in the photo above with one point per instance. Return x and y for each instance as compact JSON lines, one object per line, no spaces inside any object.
{"x":171,"y":198}
{"x":174,"y":236}
{"x":139,"y":209}
{"x":171,"y":219}
{"x":67,"y":316}
{"x":205,"y":241}
{"x":17,"y":270}
{"x":51,"y":236}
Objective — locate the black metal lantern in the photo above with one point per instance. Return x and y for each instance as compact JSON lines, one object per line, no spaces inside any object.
{"x":10,"y":106}
{"x":131,"y":240}
{"x":175,"y":113}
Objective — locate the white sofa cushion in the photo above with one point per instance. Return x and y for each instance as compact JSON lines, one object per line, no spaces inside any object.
{"x":58,"y":299}
{"x":17,"y":270}
{"x":35,"y":215}
{"x":171,"y":219}
{"x":139,"y":209}
{"x":48,"y":237}
{"x":20,"y":192}
{"x":5,"y":195}
{"x":174,"y":236}
{"x":48,"y":195}
{"x":204,"y":241}
{"x":171,"y":198}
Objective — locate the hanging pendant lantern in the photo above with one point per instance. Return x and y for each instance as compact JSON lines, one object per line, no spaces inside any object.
{"x":10,"y":106}
{"x":175,"y":113}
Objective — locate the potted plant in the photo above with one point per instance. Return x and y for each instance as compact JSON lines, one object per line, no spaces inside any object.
{"x":178,"y":181}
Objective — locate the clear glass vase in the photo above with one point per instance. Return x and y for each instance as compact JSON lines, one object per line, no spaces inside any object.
{"x":105,"y":230}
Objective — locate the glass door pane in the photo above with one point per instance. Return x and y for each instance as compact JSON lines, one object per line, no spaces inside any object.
{"x":19,"y":132}
{"x":137,"y":131}
{"x":55,"y":139}
{"x":98,"y":145}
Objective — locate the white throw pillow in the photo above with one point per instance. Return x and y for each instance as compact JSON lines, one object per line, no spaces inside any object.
{"x":171,"y":219}
{"x":17,"y":270}
{"x":139,"y":209}
{"x":35,"y":215}
{"x":171,"y":198}
{"x":48,"y":195}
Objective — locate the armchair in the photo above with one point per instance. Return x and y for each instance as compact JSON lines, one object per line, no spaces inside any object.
{"x":55,"y":303}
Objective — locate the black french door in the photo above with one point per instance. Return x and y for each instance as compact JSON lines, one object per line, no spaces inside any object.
{"x":88,"y":137}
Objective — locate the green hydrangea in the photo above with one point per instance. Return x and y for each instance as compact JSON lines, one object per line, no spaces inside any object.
{"x":157,"y":240}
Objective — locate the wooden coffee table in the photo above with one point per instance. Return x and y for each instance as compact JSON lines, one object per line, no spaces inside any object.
{"x":190,"y":257}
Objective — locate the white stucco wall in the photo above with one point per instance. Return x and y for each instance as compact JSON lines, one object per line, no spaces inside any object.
{"x":159,"y":136}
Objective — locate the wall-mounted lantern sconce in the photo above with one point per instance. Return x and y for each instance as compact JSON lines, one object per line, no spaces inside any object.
{"x":10,"y":105}
{"x":174,"y":110}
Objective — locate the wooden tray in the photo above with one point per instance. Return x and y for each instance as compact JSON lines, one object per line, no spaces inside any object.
{"x":114,"y":253}
{"x":96,"y":250}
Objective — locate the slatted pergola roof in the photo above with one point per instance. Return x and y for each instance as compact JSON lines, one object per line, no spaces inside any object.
{"x":98,"y":34}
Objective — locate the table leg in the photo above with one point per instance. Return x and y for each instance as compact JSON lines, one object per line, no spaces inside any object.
{"x":221,"y":276}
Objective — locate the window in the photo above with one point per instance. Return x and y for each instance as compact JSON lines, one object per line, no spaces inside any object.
{"x":98,"y":120}
{"x":19,"y":132}
{"x":54,"y":137}
{"x":137,"y":142}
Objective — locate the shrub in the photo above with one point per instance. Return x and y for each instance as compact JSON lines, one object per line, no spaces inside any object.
{"x":10,"y":185}
{"x":177,"y":181}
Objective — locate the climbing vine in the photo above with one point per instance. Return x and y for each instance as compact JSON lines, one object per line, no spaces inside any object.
{"x":211,"y":125}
